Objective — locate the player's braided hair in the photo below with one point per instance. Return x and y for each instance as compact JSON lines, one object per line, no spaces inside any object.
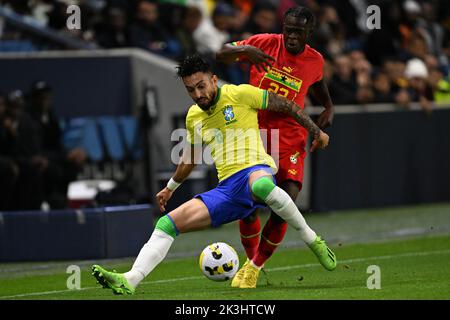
{"x":301,"y":12}
{"x":192,"y":64}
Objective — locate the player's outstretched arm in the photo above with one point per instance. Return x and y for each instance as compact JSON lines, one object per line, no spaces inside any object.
{"x":187,"y":163}
{"x":230,"y":53}
{"x":280,"y":104}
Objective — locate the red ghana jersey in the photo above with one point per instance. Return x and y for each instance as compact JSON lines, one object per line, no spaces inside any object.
{"x":290,"y":76}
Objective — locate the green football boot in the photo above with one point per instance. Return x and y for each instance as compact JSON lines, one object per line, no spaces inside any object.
{"x":112,"y":280}
{"x":326,"y":257}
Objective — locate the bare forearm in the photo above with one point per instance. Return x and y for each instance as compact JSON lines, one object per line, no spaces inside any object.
{"x":229,"y":53}
{"x":183,"y":171}
{"x":281,"y":104}
{"x":320,"y":92}
{"x":188,"y":161}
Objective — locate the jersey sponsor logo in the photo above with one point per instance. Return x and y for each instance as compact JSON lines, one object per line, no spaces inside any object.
{"x":294,"y":157}
{"x":228,"y":114}
{"x":293,"y":172}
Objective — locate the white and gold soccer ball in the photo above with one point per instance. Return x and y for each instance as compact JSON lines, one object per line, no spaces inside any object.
{"x":219,"y":261}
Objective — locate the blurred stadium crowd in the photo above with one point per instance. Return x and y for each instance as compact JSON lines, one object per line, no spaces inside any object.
{"x":35,"y":168}
{"x":405,"y":61}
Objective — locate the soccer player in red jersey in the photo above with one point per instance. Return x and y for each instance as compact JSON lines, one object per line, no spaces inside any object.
{"x":285,"y":64}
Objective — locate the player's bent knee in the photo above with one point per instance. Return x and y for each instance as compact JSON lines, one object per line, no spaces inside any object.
{"x":262,"y":187}
{"x":166,"y":225}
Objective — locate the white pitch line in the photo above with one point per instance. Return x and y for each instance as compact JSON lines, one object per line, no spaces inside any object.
{"x":307,"y":265}
{"x":408,"y":254}
{"x":43,"y":293}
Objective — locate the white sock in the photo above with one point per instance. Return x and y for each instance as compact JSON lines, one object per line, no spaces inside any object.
{"x":151,"y":254}
{"x":280,"y":202}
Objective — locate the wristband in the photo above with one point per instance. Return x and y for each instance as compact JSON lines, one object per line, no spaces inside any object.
{"x":172,"y":185}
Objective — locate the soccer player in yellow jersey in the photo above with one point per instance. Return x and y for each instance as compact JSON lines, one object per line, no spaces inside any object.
{"x":225,"y":119}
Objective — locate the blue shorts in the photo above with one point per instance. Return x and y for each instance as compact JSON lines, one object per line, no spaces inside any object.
{"x":232,"y":198}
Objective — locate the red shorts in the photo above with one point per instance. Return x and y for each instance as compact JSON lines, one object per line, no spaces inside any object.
{"x":291,"y":166}
{"x":287,"y":147}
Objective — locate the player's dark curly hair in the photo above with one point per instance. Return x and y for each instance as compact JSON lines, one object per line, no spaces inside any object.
{"x":192,"y":64}
{"x":301,"y":12}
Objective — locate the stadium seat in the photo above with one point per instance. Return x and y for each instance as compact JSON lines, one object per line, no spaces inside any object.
{"x":71,"y":138}
{"x":83,"y":133}
{"x":129,"y":130}
{"x":91,"y":141}
{"x":73,"y":133}
{"x":111,"y":137}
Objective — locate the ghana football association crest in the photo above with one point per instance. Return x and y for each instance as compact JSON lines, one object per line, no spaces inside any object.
{"x":294,"y":157}
{"x":228,"y":114}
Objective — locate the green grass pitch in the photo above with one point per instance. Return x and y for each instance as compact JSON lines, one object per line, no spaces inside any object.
{"x":411,"y":247}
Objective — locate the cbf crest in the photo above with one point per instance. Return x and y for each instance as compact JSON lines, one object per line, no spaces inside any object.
{"x":228,"y":114}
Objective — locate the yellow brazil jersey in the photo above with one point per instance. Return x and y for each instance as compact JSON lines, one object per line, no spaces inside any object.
{"x":230,"y":129}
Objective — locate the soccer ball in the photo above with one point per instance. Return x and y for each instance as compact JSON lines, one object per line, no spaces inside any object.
{"x":219,"y":261}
